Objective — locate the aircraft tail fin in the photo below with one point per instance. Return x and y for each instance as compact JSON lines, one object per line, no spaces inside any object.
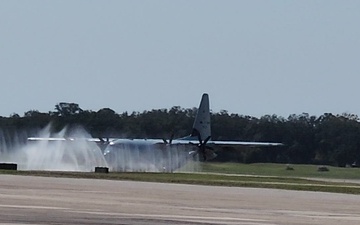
{"x":202,"y":125}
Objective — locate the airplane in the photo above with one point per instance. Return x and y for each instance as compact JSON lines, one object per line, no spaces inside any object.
{"x":164,"y":155}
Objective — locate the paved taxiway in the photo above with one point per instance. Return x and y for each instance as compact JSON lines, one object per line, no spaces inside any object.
{"x":41,"y":200}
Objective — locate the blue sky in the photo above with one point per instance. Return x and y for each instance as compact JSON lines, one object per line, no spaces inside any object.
{"x":252,"y":57}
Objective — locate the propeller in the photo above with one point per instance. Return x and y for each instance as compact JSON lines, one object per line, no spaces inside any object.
{"x":170,"y":140}
{"x":203,"y":150}
{"x":105,"y":142}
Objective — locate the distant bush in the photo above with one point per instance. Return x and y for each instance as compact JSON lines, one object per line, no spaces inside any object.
{"x":322,"y":169}
{"x":288,"y":167}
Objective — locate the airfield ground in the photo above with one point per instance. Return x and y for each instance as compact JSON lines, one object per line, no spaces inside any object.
{"x":41,"y":197}
{"x":302,"y":177}
{"x":51,"y":200}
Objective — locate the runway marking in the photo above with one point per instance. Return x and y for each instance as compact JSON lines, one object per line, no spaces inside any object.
{"x":321,"y":215}
{"x":157,"y":216}
{"x":228,"y":220}
{"x":33,"y":207}
{"x":19,"y":223}
{"x":308,"y":214}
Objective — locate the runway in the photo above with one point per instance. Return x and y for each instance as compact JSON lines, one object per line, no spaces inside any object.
{"x":42,"y":200}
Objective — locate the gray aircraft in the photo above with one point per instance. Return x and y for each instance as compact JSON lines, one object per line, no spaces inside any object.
{"x":165,"y":155}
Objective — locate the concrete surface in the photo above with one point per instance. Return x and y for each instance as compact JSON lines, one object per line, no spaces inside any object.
{"x":42,"y":200}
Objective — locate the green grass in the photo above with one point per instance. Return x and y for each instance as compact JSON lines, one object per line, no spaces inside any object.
{"x":238,"y":175}
{"x":269,"y":169}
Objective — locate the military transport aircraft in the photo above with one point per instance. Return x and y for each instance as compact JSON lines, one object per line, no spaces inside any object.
{"x":161,"y":154}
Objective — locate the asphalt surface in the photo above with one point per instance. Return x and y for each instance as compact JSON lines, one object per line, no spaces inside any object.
{"x":42,"y":200}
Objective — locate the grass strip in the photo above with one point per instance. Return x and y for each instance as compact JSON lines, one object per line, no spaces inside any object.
{"x":256,"y":181}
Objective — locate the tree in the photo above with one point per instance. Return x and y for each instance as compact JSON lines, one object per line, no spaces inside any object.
{"x":67,"y":109}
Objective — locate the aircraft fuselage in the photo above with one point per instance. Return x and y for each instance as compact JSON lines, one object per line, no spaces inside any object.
{"x":146,"y":155}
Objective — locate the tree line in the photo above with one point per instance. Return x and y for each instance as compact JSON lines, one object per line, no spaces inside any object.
{"x":326,"y":139}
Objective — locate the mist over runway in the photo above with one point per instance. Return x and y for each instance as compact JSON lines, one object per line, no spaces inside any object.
{"x":74,"y":149}
{"x":46,"y":200}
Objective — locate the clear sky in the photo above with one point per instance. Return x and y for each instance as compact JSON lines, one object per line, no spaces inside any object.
{"x":252,"y":57}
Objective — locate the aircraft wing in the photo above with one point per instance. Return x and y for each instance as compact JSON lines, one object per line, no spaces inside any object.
{"x":48,"y":139}
{"x":160,"y":141}
{"x":244,"y":143}
{"x":69,"y":139}
{"x":232,"y":143}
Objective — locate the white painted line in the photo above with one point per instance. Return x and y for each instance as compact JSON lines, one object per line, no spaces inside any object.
{"x":32,"y":207}
{"x":166,"y":216}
